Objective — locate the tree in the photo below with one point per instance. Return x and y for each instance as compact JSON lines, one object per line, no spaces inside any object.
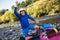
{"x":12,"y":7}
{"x":2,"y":11}
{"x":24,"y":3}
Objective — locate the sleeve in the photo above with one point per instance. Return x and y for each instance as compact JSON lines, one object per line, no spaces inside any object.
{"x":15,"y":12}
{"x":31,"y":18}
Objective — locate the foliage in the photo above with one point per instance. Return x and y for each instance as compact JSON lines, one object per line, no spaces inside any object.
{"x":8,"y":16}
{"x":25,"y":3}
{"x":34,"y":8}
{"x":2,"y":11}
{"x":43,"y":7}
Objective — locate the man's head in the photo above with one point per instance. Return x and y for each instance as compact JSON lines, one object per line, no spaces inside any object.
{"x":22,"y":11}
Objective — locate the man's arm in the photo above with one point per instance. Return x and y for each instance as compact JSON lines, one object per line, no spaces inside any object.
{"x":31,"y":18}
{"x":15,"y":10}
{"x":35,"y":20}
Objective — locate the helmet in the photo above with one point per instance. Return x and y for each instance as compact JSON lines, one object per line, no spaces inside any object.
{"x":21,"y":9}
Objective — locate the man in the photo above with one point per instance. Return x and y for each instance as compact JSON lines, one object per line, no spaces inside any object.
{"x":23,"y":18}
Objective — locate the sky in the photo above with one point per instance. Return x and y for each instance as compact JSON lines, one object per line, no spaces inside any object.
{"x":6,"y":4}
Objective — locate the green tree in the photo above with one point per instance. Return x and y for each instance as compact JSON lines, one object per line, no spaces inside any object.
{"x":12,"y":7}
{"x":24,"y":3}
{"x":2,"y":11}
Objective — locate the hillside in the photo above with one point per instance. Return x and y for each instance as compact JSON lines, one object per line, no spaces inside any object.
{"x":36,"y":9}
{"x":43,"y":6}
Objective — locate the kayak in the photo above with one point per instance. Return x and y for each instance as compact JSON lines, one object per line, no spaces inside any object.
{"x":51,"y":35}
{"x":56,"y":37}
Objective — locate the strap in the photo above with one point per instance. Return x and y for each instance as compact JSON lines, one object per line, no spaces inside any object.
{"x":55,"y":30}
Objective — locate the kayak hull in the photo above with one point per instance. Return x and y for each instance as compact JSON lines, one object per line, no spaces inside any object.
{"x":55,"y":37}
{"x":45,"y":38}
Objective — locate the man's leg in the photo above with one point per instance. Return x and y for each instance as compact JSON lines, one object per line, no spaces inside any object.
{"x":34,"y":27}
{"x":25,"y":32}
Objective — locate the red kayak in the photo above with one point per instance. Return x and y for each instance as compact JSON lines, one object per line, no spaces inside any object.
{"x":45,"y":38}
{"x":50,"y":36}
{"x":57,"y":37}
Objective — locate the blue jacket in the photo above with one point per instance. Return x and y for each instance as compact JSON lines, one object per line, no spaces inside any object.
{"x":23,"y":19}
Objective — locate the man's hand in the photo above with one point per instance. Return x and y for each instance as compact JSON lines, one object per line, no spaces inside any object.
{"x":36,"y":21}
{"x":16,"y":3}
